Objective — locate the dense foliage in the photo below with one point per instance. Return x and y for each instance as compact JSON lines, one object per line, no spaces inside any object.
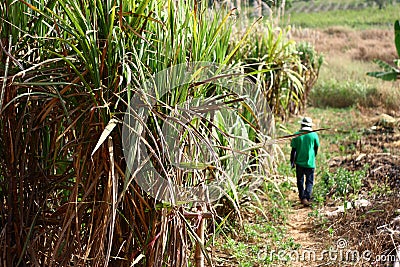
{"x":70,"y":68}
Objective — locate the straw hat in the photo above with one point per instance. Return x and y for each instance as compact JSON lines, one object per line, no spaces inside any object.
{"x":306,"y":124}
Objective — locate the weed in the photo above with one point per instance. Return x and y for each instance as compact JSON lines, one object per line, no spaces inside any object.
{"x":277,"y":214}
{"x":251,"y":251}
{"x":380,"y":190}
{"x":343,"y":184}
{"x":284,"y":169}
{"x":263,"y":233}
{"x":314,"y":213}
{"x":319,"y":219}
{"x":331,"y":231}
{"x":290,"y":244}
{"x":238,"y":249}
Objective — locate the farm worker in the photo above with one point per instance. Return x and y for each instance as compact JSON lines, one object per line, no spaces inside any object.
{"x":304,"y":150}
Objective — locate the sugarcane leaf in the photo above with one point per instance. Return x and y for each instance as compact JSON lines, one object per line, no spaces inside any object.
{"x":397,"y":36}
{"x":387,"y":76}
{"x":107,"y":131}
{"x":385,"y":66}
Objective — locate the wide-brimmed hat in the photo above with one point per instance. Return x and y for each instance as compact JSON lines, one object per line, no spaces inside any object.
{"x":306,"y":123}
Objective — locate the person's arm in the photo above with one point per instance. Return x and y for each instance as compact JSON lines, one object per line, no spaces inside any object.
{"x":292,"y":157}
{"x":316,"y":150}
{"x":316,"y":146}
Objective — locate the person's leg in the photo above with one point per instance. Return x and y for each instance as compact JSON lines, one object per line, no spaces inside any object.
{"x":309,"y":173}
{"x":300,"y":181}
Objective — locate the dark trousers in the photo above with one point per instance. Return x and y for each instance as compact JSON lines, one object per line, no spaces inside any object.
{"x":304,"y":192}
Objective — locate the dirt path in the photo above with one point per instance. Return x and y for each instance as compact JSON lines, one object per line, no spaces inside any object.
{"x":300,"y":227}
{"x":299,"y":223}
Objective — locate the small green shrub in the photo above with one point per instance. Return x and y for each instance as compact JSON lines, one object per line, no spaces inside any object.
{"x":341,"y":184}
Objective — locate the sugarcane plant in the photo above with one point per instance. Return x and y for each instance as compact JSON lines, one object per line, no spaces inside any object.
{"x":287,"y":70}
{"x":73,"y":71}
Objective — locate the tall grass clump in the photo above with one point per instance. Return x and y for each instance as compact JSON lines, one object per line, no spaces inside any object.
{"x":69,"y":71}
{"x":59,"y":201}
{"x":338,"y":94}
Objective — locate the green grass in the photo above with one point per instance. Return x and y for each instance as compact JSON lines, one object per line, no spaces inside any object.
{"x":256,"y":244}
{"x":262,"y":231}
{"x":342,"y":68}
{"x":370,"y":17}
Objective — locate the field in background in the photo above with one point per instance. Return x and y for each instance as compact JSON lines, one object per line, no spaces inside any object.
{"x":348,"y":56}
{"x":350,"y":35}
{"x":354,"y":14}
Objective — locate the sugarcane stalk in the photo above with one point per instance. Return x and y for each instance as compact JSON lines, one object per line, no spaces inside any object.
{"x":3,"y":88}
{"x":199,"y":257}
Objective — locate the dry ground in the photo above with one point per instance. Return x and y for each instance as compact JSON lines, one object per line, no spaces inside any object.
{"x":302,"y":229}
{"x":364,"y":45}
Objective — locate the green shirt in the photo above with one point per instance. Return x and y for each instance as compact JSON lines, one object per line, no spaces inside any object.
{"x":305,"y":145}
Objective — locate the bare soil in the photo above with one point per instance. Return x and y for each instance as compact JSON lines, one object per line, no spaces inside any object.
{"x":302,"y":229}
